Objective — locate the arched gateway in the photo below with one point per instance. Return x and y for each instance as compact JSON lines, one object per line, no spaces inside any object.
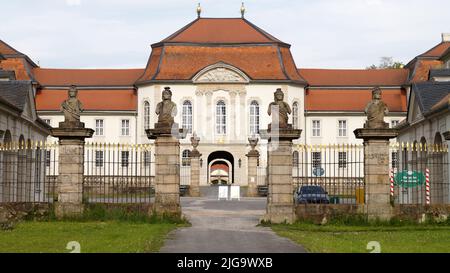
{"x":220,"y":168}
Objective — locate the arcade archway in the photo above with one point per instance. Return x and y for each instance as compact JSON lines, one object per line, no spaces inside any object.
{"x":220,"y":168}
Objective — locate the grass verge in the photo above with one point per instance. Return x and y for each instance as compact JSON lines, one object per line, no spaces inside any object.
{"x":393,"y":238}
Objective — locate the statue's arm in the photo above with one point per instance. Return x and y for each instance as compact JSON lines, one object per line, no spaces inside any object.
{"x":158,"y":108}
{"x":174,"y":110}
{"x":80,"y":106}
{"x":269,"y":111}
{"x":288,"y":108}
{"x":386,"y":109}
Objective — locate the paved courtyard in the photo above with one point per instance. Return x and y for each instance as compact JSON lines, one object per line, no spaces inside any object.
{"x":226,"y":227}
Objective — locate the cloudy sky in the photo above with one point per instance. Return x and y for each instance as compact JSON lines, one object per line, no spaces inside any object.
{"x":323,"y":33}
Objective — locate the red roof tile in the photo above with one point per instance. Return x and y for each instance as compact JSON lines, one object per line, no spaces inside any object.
{"x":110,"y":100}
{"x":221,"y":30}
{"x":349,"y":77}
{"x":182,"y":62}
{"x":437,"y":51}
{"x":87,"y":77}
{"x":352,"y":99}
{"x":422,"y":68}
{"x":6,"y":49}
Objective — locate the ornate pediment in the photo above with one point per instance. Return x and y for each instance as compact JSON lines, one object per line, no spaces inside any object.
{"x":220,"y":73}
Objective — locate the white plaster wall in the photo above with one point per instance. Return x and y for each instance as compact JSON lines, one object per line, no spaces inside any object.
{"x":111,"y":126}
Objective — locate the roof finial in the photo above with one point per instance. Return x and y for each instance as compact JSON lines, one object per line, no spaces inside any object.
{"x":199,"y":10}
{"x":242,"y":9}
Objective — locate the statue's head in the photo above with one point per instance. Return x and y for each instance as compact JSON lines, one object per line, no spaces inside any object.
{"x":278,"y":95}
{"x":376,"y":93}
{"x":73,"y":91}
{"x":167,"y":94}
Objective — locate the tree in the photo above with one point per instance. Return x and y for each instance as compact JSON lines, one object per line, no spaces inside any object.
{"x":387,"y":62}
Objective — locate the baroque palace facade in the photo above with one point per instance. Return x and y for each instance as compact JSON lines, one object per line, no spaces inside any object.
{"x":223,"y":73}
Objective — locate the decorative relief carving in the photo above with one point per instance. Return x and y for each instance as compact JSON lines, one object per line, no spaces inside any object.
{"x":220,"y":74}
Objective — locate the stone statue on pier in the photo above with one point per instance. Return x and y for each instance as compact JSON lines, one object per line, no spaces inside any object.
{"x":375,"y":110}
{"x":279,"y":110}
{"x":166,"y":110}
{"x":72,"y":107}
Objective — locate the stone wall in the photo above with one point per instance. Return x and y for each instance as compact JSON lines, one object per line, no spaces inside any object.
{"x":11,"y":213}
{"x":320,"y":213}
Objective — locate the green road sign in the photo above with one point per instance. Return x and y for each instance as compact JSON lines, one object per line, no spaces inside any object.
{"x":409,"y":179}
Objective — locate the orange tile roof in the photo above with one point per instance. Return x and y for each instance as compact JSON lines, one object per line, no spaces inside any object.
{"x":182,"y":62}
{"x":87,"y":77}
{"x":110,"y":100}
{"x":20,"y":67}
{"x":422,"y":68}
{"x":6,"y":49}
{"x":352,"y":100}
{"x":221,"y":30}
{"x":437,"y":51}
{"x":349,"y":77}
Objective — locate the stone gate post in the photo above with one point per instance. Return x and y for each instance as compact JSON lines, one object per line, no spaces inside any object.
{"x":376,"y":134}
{"x":194,"y":188}
{"x":167,"y":157}
{"x":71,"y":134}
{"x":252,"y":168}
{"x":280,"y":134}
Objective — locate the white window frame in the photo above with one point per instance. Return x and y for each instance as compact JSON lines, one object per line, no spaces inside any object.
{"x":254,"y":117}
{"x":316,"y":160}
{"x":342,"y":160}
{"x":316,"y":131}
{"x":185,"y":158}
{"x":99,"y":158}
{"x":125,"y":127}
{"x":146,"y":115}
{"x":48,"y":121}
{"x":187,"y":116}
{"x":221,"y":118}
{"x":125,"y":160}
{"x":342,"y":131}
{"x":99,"y":130}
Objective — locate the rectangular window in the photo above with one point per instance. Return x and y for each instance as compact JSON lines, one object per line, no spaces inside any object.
{"x":394,"y":123}
{"x":48,"y":121}
{"x":125,"y":128}
{"x":342,"y":156}
{"x":147,"y":158}
{"x":316,"y":159}
{"x":98,"y":158}
{"x":316,"y":128}
{"x":394,"y":162}
{"x":342,"y":128}
{"x":47,"y":158}
{"x":99,"y":127}
{"x":124,"y":159}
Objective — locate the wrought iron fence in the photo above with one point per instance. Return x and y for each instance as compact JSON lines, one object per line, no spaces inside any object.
{"x":328,"y":173}
{"x":118,"y":173}
{"x":419,"y":173}
{"x":27,"y":172}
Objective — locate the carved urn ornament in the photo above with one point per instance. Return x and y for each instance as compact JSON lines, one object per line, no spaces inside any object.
{"x":375,"y":110}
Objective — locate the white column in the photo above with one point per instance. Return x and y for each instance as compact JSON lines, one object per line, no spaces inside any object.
{"x":233,"y":121}
{"x":243,"y":116}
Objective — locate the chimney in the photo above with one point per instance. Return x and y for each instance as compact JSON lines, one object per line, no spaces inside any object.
{"x":445,"y":37}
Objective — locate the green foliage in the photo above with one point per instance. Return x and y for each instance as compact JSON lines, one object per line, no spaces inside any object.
{"x":93,"y":237}
{"x":387,"y":63}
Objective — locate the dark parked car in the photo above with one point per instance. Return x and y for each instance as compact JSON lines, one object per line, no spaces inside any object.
{"x":312,"y":195}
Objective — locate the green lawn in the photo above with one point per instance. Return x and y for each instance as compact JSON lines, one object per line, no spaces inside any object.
{"x":351,"y":239}
{"x":109,"y":236}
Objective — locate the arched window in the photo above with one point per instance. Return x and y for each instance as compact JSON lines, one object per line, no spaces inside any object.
{"x":221,"y":118}
{"x":295,"y":159}
{"x":146,"y":115}
{"x":254,"y":118}
{"x":295,"y":115}
{"x":187,"y":116}
{"x":185,"y":158}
